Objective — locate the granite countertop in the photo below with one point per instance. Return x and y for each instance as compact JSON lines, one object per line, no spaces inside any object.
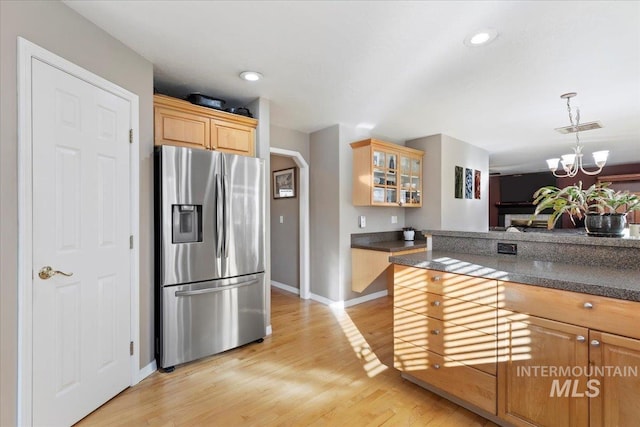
{"x":608,"y":282}
{"x":386,"y":241}
{"x":391,"y":246}
{"x":573,"y":237}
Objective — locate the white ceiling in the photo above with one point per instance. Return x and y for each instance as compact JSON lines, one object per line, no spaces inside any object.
{"x":403,"y":67}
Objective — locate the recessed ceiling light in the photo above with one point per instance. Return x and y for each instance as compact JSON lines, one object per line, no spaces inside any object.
{"x":481,"y":37}
{"x":365,"y":126}
{"x":250,"y":76}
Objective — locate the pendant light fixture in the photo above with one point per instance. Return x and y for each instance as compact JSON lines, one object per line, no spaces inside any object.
{"x":572,"y":163}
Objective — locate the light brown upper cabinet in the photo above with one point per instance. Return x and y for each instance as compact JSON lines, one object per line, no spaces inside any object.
{"x":184,"y":124}
{"x":386,"y":174}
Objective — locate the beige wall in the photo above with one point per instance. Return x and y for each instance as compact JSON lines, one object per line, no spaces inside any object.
{"x":285,"y":236}
{"x":292,"y":140}
{"x":440,"y":209}
{"x":324,"y":212}
{"x":333,"y":216}
{"x":378,"y":218}
{"x":62,"y":31}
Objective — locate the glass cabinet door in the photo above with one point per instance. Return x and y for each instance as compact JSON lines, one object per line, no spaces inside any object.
{"x":385,"y":177}
{"x":410,"y":180}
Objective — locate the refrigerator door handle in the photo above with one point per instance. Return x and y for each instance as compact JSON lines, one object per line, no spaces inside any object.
{"x":227,"y":219}
{"x":219,"y":217}
{"x":219,"y":289}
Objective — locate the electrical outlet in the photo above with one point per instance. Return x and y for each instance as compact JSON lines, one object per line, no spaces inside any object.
{"x":281,"y":219}
{"x":394,"y":219}
{"x":362,"y":221}
{"x":507,"y":248}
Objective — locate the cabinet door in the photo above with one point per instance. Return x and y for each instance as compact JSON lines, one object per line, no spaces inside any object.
{"x":385,"y":178}
{"x":232,"y":138}
{"x":534,"y":387}
{"x":173,"y":127}
{"x":410,"y":185}
{"x":618,"y":390}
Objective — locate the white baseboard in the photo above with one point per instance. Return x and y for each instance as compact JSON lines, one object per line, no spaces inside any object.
{"x":323,"y":300}
{"x":365,"y":298}
{"x":147,"y":370}
{"x":285,"y":287}
{"x":348,"y":303}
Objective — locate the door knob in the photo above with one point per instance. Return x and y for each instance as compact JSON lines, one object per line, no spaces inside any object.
{"x":436,"y":303}
{"x":47,"y":272}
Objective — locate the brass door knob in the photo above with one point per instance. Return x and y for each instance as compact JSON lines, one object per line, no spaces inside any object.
{"x":47,"y":272}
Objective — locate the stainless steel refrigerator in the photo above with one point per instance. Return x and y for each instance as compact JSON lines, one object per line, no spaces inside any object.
{"x":209,"y":253}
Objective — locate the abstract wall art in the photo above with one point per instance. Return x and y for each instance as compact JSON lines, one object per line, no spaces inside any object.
{"x":459,"y":182}
{"x":468,"y":183}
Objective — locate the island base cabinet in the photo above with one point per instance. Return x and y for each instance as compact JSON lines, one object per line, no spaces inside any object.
{"x":532,"y":389}
{"x":617,"y":401}
{"x":457,"y":379}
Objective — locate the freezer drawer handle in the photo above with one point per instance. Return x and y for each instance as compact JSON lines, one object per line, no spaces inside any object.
{"x":209,"y":290}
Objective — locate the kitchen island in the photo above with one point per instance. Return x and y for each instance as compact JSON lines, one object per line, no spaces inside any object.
{"x":526,"y":339}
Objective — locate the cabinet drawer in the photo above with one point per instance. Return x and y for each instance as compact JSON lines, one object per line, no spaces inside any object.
{"x":464,"y":382}
{"x":473,"y":347}
{"x":181,"y":128}
{"x":459,"y":312}
{"x":591,"y":311}
{"x":468,"y":288}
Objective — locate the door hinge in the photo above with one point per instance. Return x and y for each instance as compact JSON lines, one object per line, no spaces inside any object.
{"x":130,"y":136}
{"x":131,"y":242}
{"x":131,"y":348}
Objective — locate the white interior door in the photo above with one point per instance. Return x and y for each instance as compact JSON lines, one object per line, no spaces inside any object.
{"x":81,"y":226}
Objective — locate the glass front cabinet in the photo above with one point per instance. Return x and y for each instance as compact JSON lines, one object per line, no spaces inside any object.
{"x":386,"y":174}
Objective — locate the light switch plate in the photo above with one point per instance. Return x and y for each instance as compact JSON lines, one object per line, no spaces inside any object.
{"x":362,"y":221}
{"x":281,"y":219}
{"x":394,"y":219}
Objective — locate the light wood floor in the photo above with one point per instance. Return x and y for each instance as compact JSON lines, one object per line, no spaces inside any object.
{"x":318,"y":368}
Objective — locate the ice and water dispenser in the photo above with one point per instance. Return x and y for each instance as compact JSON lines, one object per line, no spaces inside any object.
{"x":187,"y":223}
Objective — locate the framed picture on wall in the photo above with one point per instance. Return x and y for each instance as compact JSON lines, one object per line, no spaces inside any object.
{"x":284,"y":183}
{"x":459,"y":182}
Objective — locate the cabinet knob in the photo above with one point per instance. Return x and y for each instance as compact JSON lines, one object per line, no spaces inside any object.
{"x":435,"y":331}
{"x":436,"y":278}
{"x":588,"y":305}
{"x":580,"y":338}
{"x":436,"y":303}
{"x":436,"y":366}
{"x":595,"y":343}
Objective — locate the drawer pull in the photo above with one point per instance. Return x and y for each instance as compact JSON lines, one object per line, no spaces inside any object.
{"x":436,"y":278}
{"x":436,"y":366}
{"x":580,"y":338}
{"x":588,"y":305}
{"x":595,"y":343}
{"x":436,"y":303}
{"x":435,"y":331}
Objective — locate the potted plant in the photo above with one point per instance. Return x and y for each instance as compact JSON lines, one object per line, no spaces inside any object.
{"x":603,"y":208}
{"x":409,"y":233}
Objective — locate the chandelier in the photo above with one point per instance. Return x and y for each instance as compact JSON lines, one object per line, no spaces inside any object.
{"x":572,"y":163}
